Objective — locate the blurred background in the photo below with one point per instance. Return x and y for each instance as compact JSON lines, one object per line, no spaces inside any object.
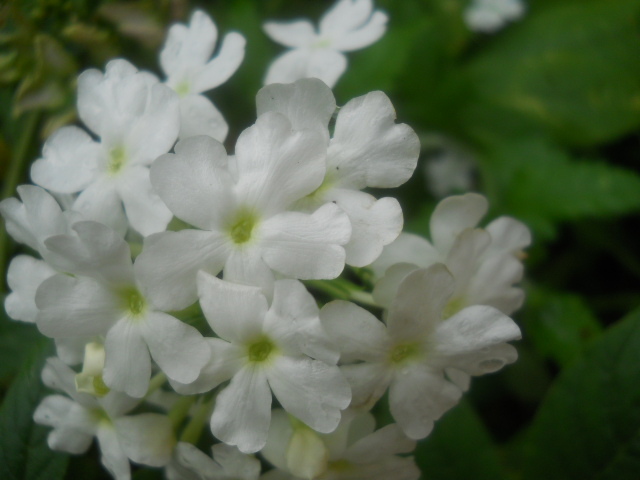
{"x":541,"y":116}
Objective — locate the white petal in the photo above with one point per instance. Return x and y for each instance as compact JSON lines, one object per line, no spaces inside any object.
{"x":75,"y":307}
{"x":167,"y":267}
{"x":368,"y":382}
{"x":307,"y":246}
{"x":474,"y":339}
{"x":199,"y":116}
{"x":235,"y":312}
{"x":368,"y":148}
{"x":146,"y":212}
{"x":271,"y":173}
{"x":147,"y":438}
{"x":310,"y":390}
{"x":236,"y":463}
{"x":327,"y":65}
{"x":198,"y":167}
{"x":418,"y":397}
{"x":508,"y":235}
{"x":307,"y":103}
{"x":59,"y":376}
{"x":113,"y":457}
{"x":69,"y":161}
{"x":179,"y":349}
{"x":95,"y":251}
{"x":356,"y":332}
{"x":243,"y":411}
{"x":388,"y":440}
{"x":465,"y":254}
{"x":225,"y":360}
{"x":71,"y":350}
{"x":407,"y":248}
{"x":100,"y":202}
{"x":127,"y":365}
{"x":24,"y":276}
{"x":374,"y":223}
{"x":52,"y":410}
{"x":76,"y":432}
{"x":188,"y":47}
{"x":417,"y":309}
{"x":190,"y":463}
{"x":222,"y":66}
{"x":362,"y":37}
{"x":293,"y":320}
{"x":386,"y":288}
{"x":245,"y":266}
{"x":492,"y":283}
{"x":291,"y":34}
{"x":346,"y":15}
{"x":453,"y":215}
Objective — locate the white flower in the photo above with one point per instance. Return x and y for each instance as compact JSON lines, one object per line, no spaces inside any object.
{"x":412,"y":352}
{"x":186,"y":60}
{"x":368,"y":149}
{"x":264,"y":349}
{"x":486,"y":263}
{"x":348,"y":25}
{"x":491,"y":15}
{"x":146,"y":438}
{"x":137,"y":120}
{"x":353,"y":451}
{"x":104,"y":298}
{"x":242,"y":205}
{"x":228,"y":463}
{"x":24,"y":276}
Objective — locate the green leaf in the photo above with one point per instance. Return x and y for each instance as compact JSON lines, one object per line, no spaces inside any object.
{"x":568,"y":69}
{"x":560,"y":325}
{"x":17,"y":341}
{"x":459,"y":447}
{"x":541,"y":185}
{"x":24,"y":454}
{"x":588,"y":427}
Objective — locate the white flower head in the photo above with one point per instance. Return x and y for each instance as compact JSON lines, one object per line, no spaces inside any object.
{"x":242,"y":205}
{"x":228,"y":463}
{"x":412,"y":353}
{"x":348,"y":25}
{"x":136,"y":119}
{"x":354,"y":450}
{"x":491,"y":15}
{"x":367,"y":149}
{"x":486,"y":263}
{"x":186,"y":60}
{"x":103,"y":298}
{"x":264,"y":349}
{"x":145,"y":438}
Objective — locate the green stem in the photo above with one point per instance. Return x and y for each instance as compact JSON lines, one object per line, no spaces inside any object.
{"x":342,"y":289}
{"x":14,"y":173}
{"x":155,"y":383}
{"x":181,"y":409}
{"x":193,"y":430}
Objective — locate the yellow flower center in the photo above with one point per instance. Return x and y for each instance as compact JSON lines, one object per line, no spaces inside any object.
{"x":242,"y":226}
{"x":260,"y":350}
{"x":403,"y":352}
{"x":117,"y":160}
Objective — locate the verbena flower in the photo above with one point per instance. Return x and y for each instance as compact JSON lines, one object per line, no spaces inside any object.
{"x":104,"y":298}
{"x":146,"y":438}
{"x":228,"y":463}
{"x":355,"y":450}
{"x":412,"y":352}
{"x":243,"y":208}
{"x":367,"y":149}
{"x":264,"y":349}
{"x":136,"y":119}
{"x":348,"y":25}
{"x":186,"y":61}
{"x":491,"y":15}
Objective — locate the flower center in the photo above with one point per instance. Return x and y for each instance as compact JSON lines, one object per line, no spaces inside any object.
{"x":453,"y":306}
{"x":242,"y":227}
{"x":403,"y":352}
{"x":183,"y":88}
{"x":117,"y":159}
{"x":261,"y":350}
{"x":134,"y":302}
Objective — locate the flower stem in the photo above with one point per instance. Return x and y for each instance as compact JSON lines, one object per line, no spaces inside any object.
{"x":181,"y":409}
{"x":156,"y":382}
{"x":193,"y":430}
{"x":342,"y":289}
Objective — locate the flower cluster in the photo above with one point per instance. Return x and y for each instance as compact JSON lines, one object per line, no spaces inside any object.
{"x":210,"y":316}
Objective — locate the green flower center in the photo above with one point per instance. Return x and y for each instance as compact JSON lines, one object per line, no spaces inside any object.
{"x":183,"y":88}
{"x":403,"y":352}
{"x":242,"y":227}
{"x":117,"y":160}
{"x":453,"y":306}
{"x":261,"y":350}
{"x":133,"y":302}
